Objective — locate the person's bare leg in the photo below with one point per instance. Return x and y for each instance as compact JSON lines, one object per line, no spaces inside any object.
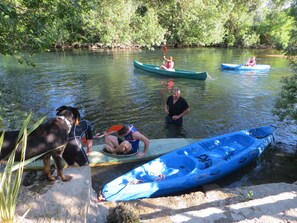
{"x":124,"y":147}
{"x":111,"y":143}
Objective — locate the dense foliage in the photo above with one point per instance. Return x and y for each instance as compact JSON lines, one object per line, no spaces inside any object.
{"x":286,"y":103}
{"x":37,"y":25}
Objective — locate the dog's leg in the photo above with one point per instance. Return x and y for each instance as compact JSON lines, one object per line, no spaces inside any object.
{"x":57,"y":155}
{"x":47,"y":167}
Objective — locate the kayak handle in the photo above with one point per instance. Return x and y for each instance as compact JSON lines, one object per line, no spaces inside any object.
{"x":242,"y":160}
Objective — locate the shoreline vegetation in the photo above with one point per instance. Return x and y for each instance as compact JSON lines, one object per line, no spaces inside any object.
{"x":122,"y":47}
{"x":97,"y":46}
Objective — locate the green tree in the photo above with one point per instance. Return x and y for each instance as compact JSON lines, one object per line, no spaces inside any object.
{"x":112,"y":20}
{"x":123,"y":22}
{"x":286,"y":102}
{"x":194,"y":22}
{"x":20,"y":29}
{"x":31,"y":26}
{"x":241,"y":21}
{"x":145,"y":28}
{"x":275,"y":29}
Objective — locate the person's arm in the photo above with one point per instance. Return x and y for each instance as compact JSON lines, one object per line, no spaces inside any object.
{"x":145,"y":140}
{"x":184,"y":112}
{"x":254,"y":62}
{"x":166,"y":109}
{"x":175,"y":117}
{"x":104,"y":134}
{"x":89,"y":145}
{"x":248,"y":62}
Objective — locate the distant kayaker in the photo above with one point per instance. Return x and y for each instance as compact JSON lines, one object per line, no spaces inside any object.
{"x":169,"y":64}
{"x":128,"y":145}
{"x":251,"y":62}
{"x":176,"y":107}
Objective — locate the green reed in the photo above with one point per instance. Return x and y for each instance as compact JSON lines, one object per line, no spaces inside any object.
{"x":10,"y":178}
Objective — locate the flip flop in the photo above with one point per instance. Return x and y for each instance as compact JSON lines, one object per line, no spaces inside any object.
{"x":106,"y":151}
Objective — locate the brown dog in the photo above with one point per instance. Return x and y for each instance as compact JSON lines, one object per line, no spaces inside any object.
{"x":50,"y":136}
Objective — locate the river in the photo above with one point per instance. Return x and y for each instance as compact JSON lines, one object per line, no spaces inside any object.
{"x":108,"y":90}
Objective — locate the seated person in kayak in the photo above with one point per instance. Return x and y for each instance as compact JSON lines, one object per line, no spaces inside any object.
{"x":128,"y":145}
{"x":251,"y":62}
{"x":169,"y":64}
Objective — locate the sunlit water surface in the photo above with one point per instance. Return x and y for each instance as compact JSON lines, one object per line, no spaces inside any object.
{"x":108,"y":90}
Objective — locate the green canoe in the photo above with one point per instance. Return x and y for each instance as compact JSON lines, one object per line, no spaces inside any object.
{"x":157,"y":148}
{"x":176,"y":73}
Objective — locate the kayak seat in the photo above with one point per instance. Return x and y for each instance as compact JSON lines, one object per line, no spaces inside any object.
{"x":193,"y":150}
{"x":178,"y":166}
{"x":224,"y":152}
{"x":204,"y":161}
{"x":260,"y":133}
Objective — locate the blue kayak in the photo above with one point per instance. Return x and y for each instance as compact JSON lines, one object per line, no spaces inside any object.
{"x":174,"y":73}
{"x":241,"y":67}
{"x":190,"y":166}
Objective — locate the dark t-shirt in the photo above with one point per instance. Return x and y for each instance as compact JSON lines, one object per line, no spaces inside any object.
{"x":74,"y":151}
{"x":83,"y":128}
{"x":179,"y":107}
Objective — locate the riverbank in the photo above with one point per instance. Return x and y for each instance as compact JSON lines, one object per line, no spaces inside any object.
{"x":75,"y":201}
{"x":261,"y":203}
{"x":96,"y":46}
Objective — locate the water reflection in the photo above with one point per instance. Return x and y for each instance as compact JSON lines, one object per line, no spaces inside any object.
{"x":173,"y":131}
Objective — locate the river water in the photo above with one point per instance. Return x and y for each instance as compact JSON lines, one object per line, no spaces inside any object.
{"x":108,"y":90}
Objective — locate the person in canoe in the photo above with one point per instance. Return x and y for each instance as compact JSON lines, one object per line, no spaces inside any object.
{"x":251,"y":62}
{"x":176,"y":107}
{"x":128,"y":145}
{"x":169,"y":64}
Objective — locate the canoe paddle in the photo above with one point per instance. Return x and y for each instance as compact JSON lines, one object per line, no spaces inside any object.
{"x":110,"y":129}
{"x":239,"y":66}
{"x":114,"y":128}
{"x":164,"y":49}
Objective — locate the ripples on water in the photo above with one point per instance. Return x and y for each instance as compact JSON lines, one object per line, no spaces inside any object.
{"x":108,"y":90}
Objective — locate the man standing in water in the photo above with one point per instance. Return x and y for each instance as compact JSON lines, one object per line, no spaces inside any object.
{"x":175,"y":108}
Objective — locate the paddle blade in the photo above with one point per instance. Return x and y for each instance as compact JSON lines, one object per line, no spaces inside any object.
{"x":114,"y":128}
{"x":239,"y":66}
{"x":164,"y":50}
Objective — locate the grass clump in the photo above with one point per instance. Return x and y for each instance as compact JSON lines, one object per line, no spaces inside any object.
{"x":11,"y":176}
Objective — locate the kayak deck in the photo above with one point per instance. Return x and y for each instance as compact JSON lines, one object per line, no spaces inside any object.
{"x":157,"y":148}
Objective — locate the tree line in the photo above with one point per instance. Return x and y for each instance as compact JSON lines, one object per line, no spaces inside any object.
{"x":240,"y":23}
